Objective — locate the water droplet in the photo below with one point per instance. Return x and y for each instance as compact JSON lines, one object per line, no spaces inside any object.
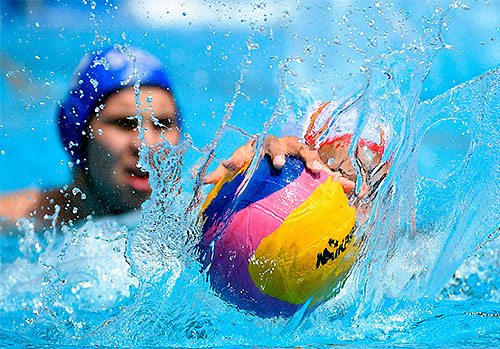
{"x":85,"y":284}
{"x":252,"y":46}
{"x":99,"y":132}
{"x":37,"y":24}
{"x":94,"y":83}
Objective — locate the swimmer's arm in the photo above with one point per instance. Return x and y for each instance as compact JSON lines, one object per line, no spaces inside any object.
{"x":276,"y":148}
{"x":36,"y":204}
{"x":19,"y":204}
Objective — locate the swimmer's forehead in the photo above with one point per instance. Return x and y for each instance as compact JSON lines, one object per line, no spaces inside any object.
{"x":152,"y":100}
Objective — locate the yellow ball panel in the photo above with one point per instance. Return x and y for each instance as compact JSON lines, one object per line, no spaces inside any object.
{"x":311,"y":251}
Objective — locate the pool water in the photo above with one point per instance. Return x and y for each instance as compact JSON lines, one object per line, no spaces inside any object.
{"x":428,"y":270}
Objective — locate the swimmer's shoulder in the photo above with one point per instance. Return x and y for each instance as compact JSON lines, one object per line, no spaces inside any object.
{"x":20,"y":203}
{"x":28,"y":203}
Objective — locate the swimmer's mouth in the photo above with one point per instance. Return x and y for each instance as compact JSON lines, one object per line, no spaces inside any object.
{"x":138,"y":180}
{"x":138,"y":174}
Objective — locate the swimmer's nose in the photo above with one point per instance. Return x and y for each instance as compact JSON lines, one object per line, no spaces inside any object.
{"x":151,"y":137}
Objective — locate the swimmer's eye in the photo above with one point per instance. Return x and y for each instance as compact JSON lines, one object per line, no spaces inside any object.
{"x":128,"y":124}
{"x":165,"y":124}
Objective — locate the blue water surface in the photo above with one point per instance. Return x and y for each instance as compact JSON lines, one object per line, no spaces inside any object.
{"x":428,"y":274}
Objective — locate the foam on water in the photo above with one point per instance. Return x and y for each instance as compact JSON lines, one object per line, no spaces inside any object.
{"x":108,"y":283}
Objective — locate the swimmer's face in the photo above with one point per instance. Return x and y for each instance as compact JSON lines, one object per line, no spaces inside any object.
{"x":113,"y":151}
{"x":336,"y":156}
{"x":368,"y":156}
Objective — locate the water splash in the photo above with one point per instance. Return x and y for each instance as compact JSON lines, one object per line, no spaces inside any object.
{"x":59,"y":290}
{"x":104,"y":284}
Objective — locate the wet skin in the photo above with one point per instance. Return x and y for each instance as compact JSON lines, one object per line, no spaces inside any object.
{"x":333,"y":158}
{"x":113,"y":150}
{"x":112,"y":183}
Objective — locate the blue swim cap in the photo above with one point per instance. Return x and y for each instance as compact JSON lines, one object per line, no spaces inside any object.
{"x":99,"y":75}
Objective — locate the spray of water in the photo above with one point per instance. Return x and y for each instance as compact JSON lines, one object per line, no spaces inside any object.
{"x":106,"y":284}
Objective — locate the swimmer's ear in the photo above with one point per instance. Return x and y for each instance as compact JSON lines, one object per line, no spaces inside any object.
{"x":369,"y":156}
